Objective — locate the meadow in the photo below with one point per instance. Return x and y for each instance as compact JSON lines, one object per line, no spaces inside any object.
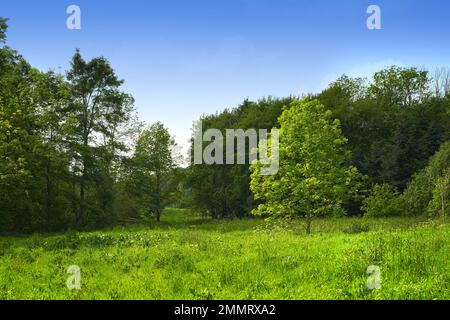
{"x":186,"y":256}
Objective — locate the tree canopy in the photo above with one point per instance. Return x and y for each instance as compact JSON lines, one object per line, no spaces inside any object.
{"x":314,"y":179}
{"x":73,"y":153}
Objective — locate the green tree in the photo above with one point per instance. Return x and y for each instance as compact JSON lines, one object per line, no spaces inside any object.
{"x":396,"y":86}
{"x":223,"y":191}
{"x":313,"y":179}
{"x":393,"y":123}
{"x":96,"y":109}
{"x":3,"y":28}
{"x":440,"y":202}
{"x":155,"y":159}
{"x":49,"y":167}
{"x":19,"y":139}
{"x":428,"y":184}
{"x":383,"y":201}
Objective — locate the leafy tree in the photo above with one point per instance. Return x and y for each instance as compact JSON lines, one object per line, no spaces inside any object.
{"x":66,"y":160}
{"x":313,"y":179}
{"x":19,"y":136}
{"x":3,"y":28}
{"x":396,"y":86}
{"x":95,"y":110}
{"x":427,"y":184}
{"x":32,"y":159}
{"x":440,"y":201}
{"x":383,"y":201}
{"x":49,"y":167}
{"x":155,"y":159}
{"x":393,"y":123}
{"x":224,"y":190}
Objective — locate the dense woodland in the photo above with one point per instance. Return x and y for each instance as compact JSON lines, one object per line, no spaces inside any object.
{"x":74,"y":155}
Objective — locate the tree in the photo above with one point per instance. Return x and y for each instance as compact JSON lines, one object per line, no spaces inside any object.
{"x":428,"y":191}
{"x":20,"y":140}
{"x":223,"y":191}
{"x":313,"y":179}
{"x":439,"y":204}
{"x":49,"y":167}
{"x":155,"y":159}
{"x":383,"y":201}
{"x":18,"y":126}
{"x":62,"y":142}
{"x":396,"y":86}
{"x":96,"y":109}
{"x":3,"y":28}
{"x":393,"y":124}
{"x":441,"y":81}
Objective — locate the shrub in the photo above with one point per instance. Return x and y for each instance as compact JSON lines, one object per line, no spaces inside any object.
{"x":383,"y":201}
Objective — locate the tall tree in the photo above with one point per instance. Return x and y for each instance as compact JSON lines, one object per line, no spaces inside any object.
{"x":402,"y":123}
{"x":224,"y":190}
{"x":51,"y":161}
{"x":19,"y":137}
{"x":313,"y":179}
{"x":396,"y":86}
{"x":96,"y":108}
{"x":155,"y":159}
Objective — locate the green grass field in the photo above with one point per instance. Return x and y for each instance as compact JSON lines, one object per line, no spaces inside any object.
{"x":190,"y":257}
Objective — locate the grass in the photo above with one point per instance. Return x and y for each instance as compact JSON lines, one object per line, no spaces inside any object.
{"x":190,"y":257}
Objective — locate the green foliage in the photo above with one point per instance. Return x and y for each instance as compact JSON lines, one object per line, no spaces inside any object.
{"x":68,"y":158}
{"x":3,"y":28}
{"x":31,"y":161}
{"x":59,"y":143}
{"x":154,"y":162}
{"x":392,"y":122}
{"x":313,"y":179}
{"x":396,"y":86}
{"x":431,"y":180}
{"x":439,"y":205}
{"x":222,"y":191}
{"x":96,"y":110}
{"x":383,"y":201}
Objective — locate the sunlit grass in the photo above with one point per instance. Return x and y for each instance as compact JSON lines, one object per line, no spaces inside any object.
{"x":192,"y":257}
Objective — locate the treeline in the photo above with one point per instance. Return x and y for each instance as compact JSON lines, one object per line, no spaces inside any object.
{"x":72,"y":153}
{"x":393,"y":124}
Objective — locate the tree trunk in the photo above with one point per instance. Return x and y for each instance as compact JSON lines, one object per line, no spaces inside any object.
{"x":82,"y":182}
{"x":443,"y":206}
{"x":158,"y":198}
{"x":308,"y":225}
{"x":49,"y":203}
{"x":81,"y":212}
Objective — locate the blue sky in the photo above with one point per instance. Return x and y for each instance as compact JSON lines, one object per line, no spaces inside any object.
{"x":184,"y":58}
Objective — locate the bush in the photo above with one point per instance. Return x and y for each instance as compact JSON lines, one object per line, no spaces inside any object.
{"x":383,"y":201}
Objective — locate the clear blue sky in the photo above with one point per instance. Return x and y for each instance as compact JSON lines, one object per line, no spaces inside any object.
{"x":183,"y":58}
